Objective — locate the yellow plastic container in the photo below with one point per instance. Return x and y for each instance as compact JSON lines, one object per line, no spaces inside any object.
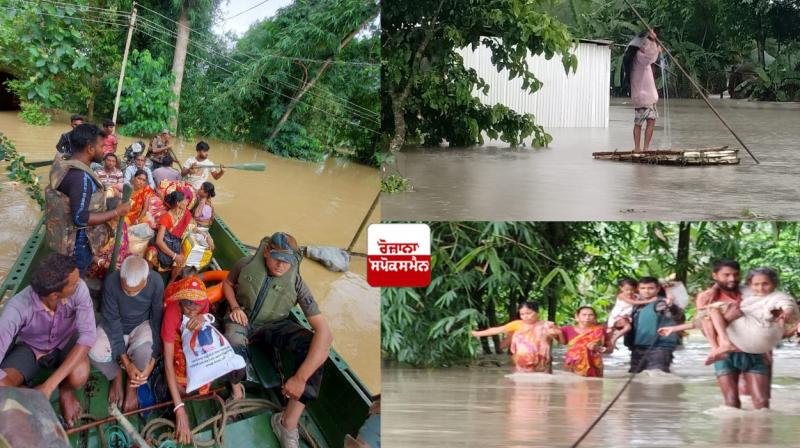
{"x":196,"y":252}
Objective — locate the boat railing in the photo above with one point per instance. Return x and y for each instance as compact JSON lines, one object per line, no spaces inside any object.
{"x":19,"y":273}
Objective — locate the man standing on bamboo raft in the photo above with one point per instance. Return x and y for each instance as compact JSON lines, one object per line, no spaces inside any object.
{"x":642,"y":52}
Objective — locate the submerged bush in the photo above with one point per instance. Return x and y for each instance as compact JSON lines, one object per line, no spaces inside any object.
{"x":32,"y":113}
{"x":395,"y":184}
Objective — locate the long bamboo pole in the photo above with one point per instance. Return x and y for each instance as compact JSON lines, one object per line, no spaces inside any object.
{"x":128,"y":427}
{"x":124,"y":61}
{"x":693,"y":82}
{"x":364,"y":221}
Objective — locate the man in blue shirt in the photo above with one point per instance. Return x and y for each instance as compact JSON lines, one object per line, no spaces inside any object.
{"x":139,"y":164}
{"x":649,"y":350}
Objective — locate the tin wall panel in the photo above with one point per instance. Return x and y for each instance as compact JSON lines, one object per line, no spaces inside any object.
{"x":580,"y":99}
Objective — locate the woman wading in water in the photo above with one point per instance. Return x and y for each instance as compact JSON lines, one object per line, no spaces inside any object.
{"x":586,"y":342}
{"x":530,"y":339}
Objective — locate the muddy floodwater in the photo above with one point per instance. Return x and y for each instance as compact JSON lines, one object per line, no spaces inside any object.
{"x":564,"y":182}
{"x":320,"y":204}
{"x":487,"y":407}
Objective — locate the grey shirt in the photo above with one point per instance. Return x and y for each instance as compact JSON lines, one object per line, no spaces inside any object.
{"x":121,"y":313}
{"x":165,"y":172}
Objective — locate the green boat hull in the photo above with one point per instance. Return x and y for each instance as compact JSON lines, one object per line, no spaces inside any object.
{"x":341,"y":408}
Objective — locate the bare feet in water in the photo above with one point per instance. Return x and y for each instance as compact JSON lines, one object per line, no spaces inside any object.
{"x":70,"y":406}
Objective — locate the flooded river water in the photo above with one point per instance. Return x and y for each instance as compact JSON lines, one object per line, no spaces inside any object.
{"x":564,"y":182}
{"x":320,"y":204}
{"x":487,"y":407}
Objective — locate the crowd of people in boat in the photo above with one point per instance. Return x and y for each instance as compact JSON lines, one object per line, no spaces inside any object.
{"x":743,"y":323}
{"x":152,"y":298}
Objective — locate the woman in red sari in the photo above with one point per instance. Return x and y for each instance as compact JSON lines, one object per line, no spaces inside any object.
{"x":586,"y":342}
{"x":186,"y":297}
{"x":173,"y":225}
{"x":182,"y":297}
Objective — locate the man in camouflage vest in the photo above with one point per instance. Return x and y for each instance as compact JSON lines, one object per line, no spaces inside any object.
{"x":77,"y":221}
{"x":261,"y":291}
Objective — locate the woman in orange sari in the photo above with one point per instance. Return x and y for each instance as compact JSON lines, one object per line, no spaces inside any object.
{"x":146,"y":206}
{"x":585,"y":342}
{"x":530,"y":339}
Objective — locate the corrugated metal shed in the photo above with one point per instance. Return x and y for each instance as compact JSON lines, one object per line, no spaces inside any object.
{"x":578,"y":100}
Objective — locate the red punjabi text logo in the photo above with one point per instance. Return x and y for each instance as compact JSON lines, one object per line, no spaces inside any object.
{"x":399,"y":255}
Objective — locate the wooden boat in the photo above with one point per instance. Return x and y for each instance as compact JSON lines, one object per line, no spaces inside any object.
{"x":721,"y":155}
{"x":341,"y":409}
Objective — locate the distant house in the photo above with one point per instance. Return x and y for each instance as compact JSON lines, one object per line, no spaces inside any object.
{"x":578,"y":100}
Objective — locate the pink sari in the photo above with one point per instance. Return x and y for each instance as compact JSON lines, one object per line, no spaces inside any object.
{"x":530,"y":350}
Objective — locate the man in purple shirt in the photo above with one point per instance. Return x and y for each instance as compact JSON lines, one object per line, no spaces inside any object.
{"x":53,"y":323}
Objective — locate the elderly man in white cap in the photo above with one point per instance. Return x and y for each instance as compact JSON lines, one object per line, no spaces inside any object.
{"x":129,"y":329}
{"x":160,"y":146}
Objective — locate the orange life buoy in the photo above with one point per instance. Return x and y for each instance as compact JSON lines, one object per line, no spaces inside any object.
{"x":214,"y":292}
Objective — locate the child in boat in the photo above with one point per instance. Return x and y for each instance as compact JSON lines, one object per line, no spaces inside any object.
{"x":753,"y":326}
{"x":619,"y":320}
{"x":530,"y":339}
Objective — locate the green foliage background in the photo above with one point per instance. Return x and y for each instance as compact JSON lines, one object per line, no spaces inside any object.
{"x":68,"y":57}
{"x":429,"y":94}
{"x":750,"y":48}
{"x":482,"y":270}
{"x":148,"y":86}
{"x":17,"y":170}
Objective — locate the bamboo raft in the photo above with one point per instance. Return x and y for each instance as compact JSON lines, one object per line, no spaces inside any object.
{"x":721,"y":155}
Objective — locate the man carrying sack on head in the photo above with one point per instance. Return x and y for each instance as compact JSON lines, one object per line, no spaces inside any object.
{"x":261,"y":291}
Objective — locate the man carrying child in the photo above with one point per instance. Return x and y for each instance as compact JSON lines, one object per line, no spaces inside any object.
{"x":649,"y":349}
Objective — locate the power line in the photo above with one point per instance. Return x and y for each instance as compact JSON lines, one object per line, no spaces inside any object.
{"x":266,"y":54}
{"x":111,"y":21}
{"x":345,"y":103}
{"x":351,"y":107}
{"x":230,"y":72}
{"x":73,"y":5}
{"x":240,"y":13}
{"x":65,"y":17}
{"x":268,"y":89}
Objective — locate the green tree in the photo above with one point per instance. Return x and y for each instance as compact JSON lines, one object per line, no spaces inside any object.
{"x":45,"y":50}
{"x":251,"y":87}
{"x":145,"y":106}
{"x":481,"y":271}
{"x":429,"y":94}
{"x":708,"y":37}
